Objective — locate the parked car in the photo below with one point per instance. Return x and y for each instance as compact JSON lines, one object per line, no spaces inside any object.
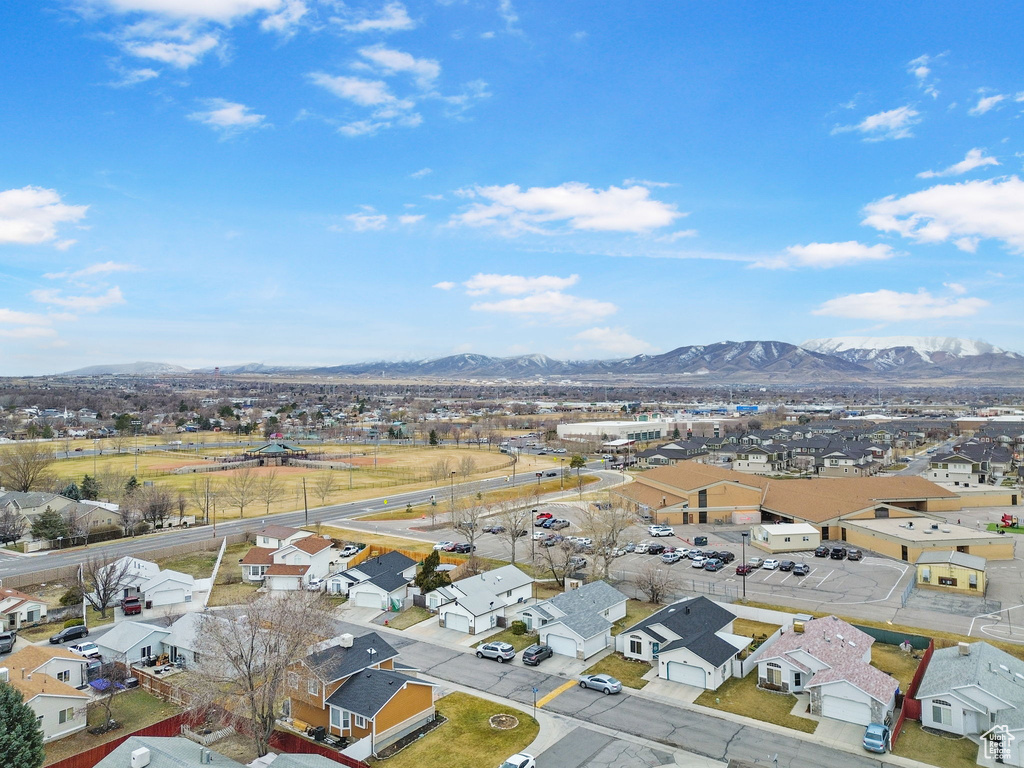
{"x":449,"y":546}
{"x":743,"y":569}
{"x":630,"y":546}
{"x":801,"y":569}
{"x":854,"y":554}
{"x":655,"y":549}
{"x":539,"y":522}
{"x":660,"y":530}
{"x":786,"y":565}
{"x":713,"y":564}
{"x":698,"y":562}
{"x":726,"y":557}
{"x":463,"y":548}
{"x":7,"y":641}
{"x":693,"y":554}
{"x":641,"y":548}
{"x":495,"y":529}
{"x":351,"y":549}
{"x":876,"y":738}
{"x":771,"y":564}
{"x":605,"y":683}
{"x":822,"y":551}
{"x":837,"y":553}
{"x":755,"y":562}
{"x":544,"y":516}
{"x":671,"y":557}
{"x":535,"y":654}
{"x":552,"y":539}
{"x":519,"y":760}
{"x":131,"y":606}
{"x":88,"y":649}
{"x":558,"y":524}
{"x":538,"y":535}
{"x":576,"y":563}
{"x":317,"y":585}
{"x":500,"y":652}
{"x":70,"y":633}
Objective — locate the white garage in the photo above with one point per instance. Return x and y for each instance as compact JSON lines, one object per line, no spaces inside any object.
{"x":847,"y":710}
{"x":457,"y":621}
{"x":564,"y":646}
{"x":678,"y":672}
{"x":365,"y":598}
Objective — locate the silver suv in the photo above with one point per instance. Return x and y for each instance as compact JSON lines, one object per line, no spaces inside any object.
{"x":7,"y":642}
{"x":501,"y":652}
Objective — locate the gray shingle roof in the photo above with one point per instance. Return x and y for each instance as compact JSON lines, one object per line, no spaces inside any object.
{"x":390,"y":562}
{"x":948,"y":671}
{"x":164,"y":752}
{"x":335,"y":662}
{"x":584,"y":624}
{"x":695,"y":622}
{"x":367,"y":692}
{"x":596,"y":596}
{"x":954,"y":557}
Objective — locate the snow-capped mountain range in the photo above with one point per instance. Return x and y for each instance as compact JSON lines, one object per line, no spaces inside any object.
{"x":925,"y":346}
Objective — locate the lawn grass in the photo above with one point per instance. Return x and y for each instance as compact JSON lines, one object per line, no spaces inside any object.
{"x":378,"y":540}
{"x":520,"y":642}
{"x":750,"y":628}
{"x":409,"y":617}
{"x":198,"y":565}
{"x":467,"y":740}
{"x":996,"y":527}
{"x":636,"y":610}
{"x":44,"y":631}
{"x":627,"y":671}
{"x":133,"y":709}
{"x":949,"y":753}
{"x":741,"y":696}
{"x":891,"y":660}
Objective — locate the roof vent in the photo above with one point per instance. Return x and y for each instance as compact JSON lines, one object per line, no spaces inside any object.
{"x":345,"y":640}
{"x":140,"y":758}
{"x":946,"y":530}
{"x":964,"y":648}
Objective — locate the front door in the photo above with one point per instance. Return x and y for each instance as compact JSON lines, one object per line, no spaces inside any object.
{"x":702,"y":516}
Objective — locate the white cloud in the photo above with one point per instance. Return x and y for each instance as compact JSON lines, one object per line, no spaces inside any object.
{"x":95,"y":303}
{"x":986,"y":103}
{"x":551,"y":306}
{"x":365,"y":93}
{"x":891,"y":306}
{"x":30,"y":215}
{"x":578,"y":205}
{"x":508,"y":15}
{"x":826,"y":255}
{"x":445,"y":285}
{"x":679,"y":235}
{"x":921,"y":69}
{"x":421,"y":173}
{"x":975,"y":158}
{"x":894,"y":124}
{"x":365,"y":222}
{"x":284,"y":20}
{"x":222,"y":11}
{"x":647,"y":183}
{"x":104,"y":268}
{"x":14,"y":317}
{"x":28,"y":332}
{"x":614,"y":341}
{"x":393,"y":18}
{"x":182,"y":55}
{"x":392,"y":61}
{"x":362,"y":127}
{"x":411,"y":218}
{"x":958,"y":288}
{"x":514,"y":285}
{"x":130,"y":77}
{"x":228,"y":117}
{"x":962,"y":213}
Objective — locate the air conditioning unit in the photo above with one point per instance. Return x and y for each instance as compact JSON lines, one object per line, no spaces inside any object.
{"x":5,"y":675}
{"x":140,"y":758}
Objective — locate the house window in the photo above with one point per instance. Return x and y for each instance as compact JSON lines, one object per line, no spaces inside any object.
{"x":774,"y":674}
{"x":636,"y":646}
{"x":146,"y":651}
{"x":335,"y":718}
{"x":66,"y":715}
{"x":359,"y":721}
{"x":655,"y":650}
{"x":346,"y":721}
{"x":195,"y":656}
{"x":293,"y":680}
{"x":312,"y":687}
{"x":702,"y":498}
{"x":64,"y":676}
{"x":947,"y":581}
{"x":509,"y":593}
{"x":786,"y":539}
{"x":797,"y":679}
{"x":942,"y":712}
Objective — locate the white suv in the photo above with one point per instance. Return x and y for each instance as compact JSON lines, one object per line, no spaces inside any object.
{"x":660,"y":530}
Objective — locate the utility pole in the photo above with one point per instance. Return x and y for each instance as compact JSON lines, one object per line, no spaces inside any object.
{"x":743,"y":557}
{"x":136,"y":423}
{"x":305,"y":503}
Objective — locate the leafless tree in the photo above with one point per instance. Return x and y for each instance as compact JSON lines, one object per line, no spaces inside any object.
{"x":656,"y":581}
{"x":245,"y":653}
{"x":241,"y":488}
{"x":155,"y":504}
{"x":119,"y":441}
{"x":605,"y":524}
{"x":467,"y":467}
{"x":456,"y":435}
{"x":12,"y":524}
{"x":76,"y":518}
{"x":115,"y":671}
{"x":515,"y":516}
{"x":325,"y":485}
{"x":270,"y":489}
{"x":25,"y":466}
{"x":467,"y":518}
{"x":112,"y":484}
{"x":182,"y":504}
{"x":199,"y":497}
{"x":104,"y":579}
{"x":556,"y":560}
{"x":440,"y":469}
{"x":130,"y":514}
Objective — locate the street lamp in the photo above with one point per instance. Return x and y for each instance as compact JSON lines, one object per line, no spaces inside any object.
{"x":743,"y":557}
{"x":561,"y":473}
{"x":453,"y":492}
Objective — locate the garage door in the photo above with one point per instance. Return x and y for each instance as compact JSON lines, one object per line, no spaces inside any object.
{"x":456,"y":621}
{"x":366,"y":600}
{"x":686,"y":673}
{"x":566,"y":646}
{"x":846,"y":710}
{"x":169,"y":597}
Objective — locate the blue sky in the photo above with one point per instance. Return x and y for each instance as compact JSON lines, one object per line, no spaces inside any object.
{"x":209,"y":182}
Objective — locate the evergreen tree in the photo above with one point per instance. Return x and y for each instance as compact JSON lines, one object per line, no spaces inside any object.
{"x":131,"y":486}
{"x":123,"y":423}
{"x":433,"y":437}
{"x":675,"y":433}
{"x":49,"y":525}
{"x":429,"y":578}
{"x":21,"y":738}
{"x":47,"y":433}
{"x":90,"y":488}
{"x":71,"y":491}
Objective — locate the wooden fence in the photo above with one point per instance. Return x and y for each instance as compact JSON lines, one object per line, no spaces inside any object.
{"x":911,"y":708}
{"x":377,"y":551}
{"x":87,"y":759}
{"x":292,"y":744}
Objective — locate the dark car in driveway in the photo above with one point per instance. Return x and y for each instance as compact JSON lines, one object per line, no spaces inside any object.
{"x":725,"y":557}
{"x":786,"y":565}
{"x":837,"y":553}
{"x":535,"y":654}
{"x":655,"y":549}
{"x":822,"y":551}
{"x":463,"y":548}
{"x":70,"y":633}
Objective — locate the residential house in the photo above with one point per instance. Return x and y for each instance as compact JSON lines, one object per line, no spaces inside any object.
{"x":973,"y":689}
{"x":274,"y":537}
{"x":579,"y":621}
{"x":762,"y":459}
{"x":377,"y":582}
{"x":131,"y":642}
{"x":57,"y":662}
{"x":59,"y":708}
{"x":296,"y":564}
{"x":354,"y":688}
{"x":689,"y":642}
{"x":156,"y":587}
{"x":480,"y":602}
{"x":831,"y":660}
{"x":182,"y":644}
{"x":18,"y":609}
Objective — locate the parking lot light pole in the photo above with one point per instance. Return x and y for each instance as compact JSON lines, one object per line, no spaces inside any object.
{"x":743,"y":556}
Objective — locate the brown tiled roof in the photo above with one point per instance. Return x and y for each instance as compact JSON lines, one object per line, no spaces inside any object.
{"x":40,"y":684}
{"x":278,"y":531}
{"x":6,"y":593}
{"x":652,"y":497}
{"x":313,"y":544}
{"x":34,"y":656}
{"x":258,"y":556}
{"x":691,"y":475}
{"x":826,"y":498}
{"x":287,"y":570}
